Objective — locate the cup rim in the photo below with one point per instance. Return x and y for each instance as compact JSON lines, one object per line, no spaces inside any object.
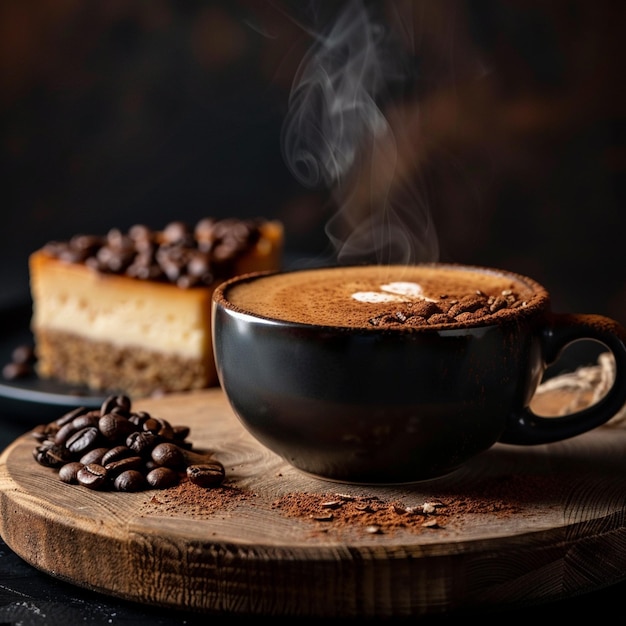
{"x":539,"y":301}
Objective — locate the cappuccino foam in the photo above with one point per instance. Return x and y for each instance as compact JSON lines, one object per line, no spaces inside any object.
{"x":372,"y":295}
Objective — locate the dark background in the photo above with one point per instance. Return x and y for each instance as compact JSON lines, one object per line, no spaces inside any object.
{"x":512,"y":127}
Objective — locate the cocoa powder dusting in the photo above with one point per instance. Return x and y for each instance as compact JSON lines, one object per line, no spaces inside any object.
{"x":336,"y":512}
{"x":500,"y":497}
{"x":192,"y":500}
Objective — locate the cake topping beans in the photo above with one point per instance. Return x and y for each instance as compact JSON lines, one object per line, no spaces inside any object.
{"x":178,"y":254}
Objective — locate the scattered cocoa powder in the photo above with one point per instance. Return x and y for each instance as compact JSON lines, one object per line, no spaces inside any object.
{"x":368,"y":513}
{"x":194,"y":501}
{"x":500,"y":497}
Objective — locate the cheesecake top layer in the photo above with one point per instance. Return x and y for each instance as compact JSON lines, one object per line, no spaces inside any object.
{"x":180,"y":254}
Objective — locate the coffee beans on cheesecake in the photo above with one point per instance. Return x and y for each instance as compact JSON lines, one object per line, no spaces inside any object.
{"x":182,"y":254}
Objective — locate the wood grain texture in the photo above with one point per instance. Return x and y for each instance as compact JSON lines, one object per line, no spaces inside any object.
{"x":248,"y":557}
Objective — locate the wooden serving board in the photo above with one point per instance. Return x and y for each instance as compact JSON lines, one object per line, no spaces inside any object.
{"x":514,"y":527}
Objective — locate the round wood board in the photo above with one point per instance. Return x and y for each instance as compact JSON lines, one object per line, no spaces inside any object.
{"x":515,"y":527}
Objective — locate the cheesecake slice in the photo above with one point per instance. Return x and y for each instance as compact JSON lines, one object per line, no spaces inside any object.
{"x":130,"y":312}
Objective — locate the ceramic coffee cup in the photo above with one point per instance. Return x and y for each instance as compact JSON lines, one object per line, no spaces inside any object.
{"x":393,"y":374}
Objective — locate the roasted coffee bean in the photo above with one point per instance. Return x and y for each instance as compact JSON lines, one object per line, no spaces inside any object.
{"x":118,"y":240}
{"x":115,"y":401}
{"x":95,"y":455}
{"x":165,"y":430}
{"x":92,"y":476}
{"x":168,"y":455}
{"x":70,"y":415}
{"x":151,"y":425}
{"x":116,"y":453}
{"x":180,"y":433}
{"x":206,"y":474}
{"x":82,"y":440}
{"x":65,"y":432}
{"x":40,"y":432}
{"x":49,"y":454}
{"x":145,"y":269}
{"x":130,"y":480}
{"x":141,"y":233}
{"x":87,"y":244}
{"x":114,"y":260}
{"x":162,"y":477}
{"x":23,"y":354}
{"x":68,"y":473}
{"x":78,"y":423}
{"x":176,"y":231}
{"x":199,"y":264}
{"x":138,"y":418}
{"x":13,"y":371}
{"x":21,"y":363}
{"x":142,"y":442}
{"x":87,"y":419}
{"x":115,"y":427}
{"x":121,"y":465}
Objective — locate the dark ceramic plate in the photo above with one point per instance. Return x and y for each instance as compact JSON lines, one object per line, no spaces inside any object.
{"x":32,"y":397}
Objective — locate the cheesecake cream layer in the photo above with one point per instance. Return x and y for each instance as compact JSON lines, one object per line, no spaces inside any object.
{"x":121,"y":311}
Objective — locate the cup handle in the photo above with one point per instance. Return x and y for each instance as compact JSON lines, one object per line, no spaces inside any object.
{"x":527,"y":428}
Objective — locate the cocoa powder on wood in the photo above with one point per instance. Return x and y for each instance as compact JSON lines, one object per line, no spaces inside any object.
{"x":333,"y":511}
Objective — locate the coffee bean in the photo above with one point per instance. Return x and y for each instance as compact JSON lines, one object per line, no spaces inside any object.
{"x":138,"y":418}
{"x":70,"y":415}
{"x":115,"y":401}
{"x":92,"y":476}
{"x":68,"y":473}
{"x":40,"y":432}
{"x":13,"y":371}
{"x":130,"y":480}
{"x":181,"y":433}
{"x":49,"y":454}
{"x":152,"y":425}
{"x":168,"y":455}
{"x":122,"y":465}
{"x":206,"y":474}
{"x":65,"y":432}
{"x":82,"y":440}
{"x":115,"y":427}
{"x":23,"y":354}
{"x":21,"y":363}
{"x":95,"y":455}
{"x":86,"y":419}
{"x":142,"y":442}
{"x":116,"y":453}
{"x":162,"y":477}
{"x":83,"y":420}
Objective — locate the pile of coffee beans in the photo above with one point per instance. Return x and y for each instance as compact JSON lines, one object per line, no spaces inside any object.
{"x":180,"y":254}
{"x":449,"y":310}
{"x":116,"y":448}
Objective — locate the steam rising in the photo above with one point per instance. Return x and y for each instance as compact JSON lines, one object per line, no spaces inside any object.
{"x":336,"y":135}
{"x":332,"y":105}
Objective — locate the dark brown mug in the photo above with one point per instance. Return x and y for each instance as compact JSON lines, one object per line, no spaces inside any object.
{"x":392,"y":374}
